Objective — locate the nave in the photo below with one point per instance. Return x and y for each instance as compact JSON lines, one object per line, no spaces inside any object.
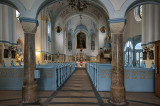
{"x":77,"y":91}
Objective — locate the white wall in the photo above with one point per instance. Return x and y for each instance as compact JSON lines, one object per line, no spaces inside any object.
{"x":133,"y":27}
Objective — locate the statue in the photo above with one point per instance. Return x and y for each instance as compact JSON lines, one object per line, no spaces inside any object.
{"x":19,"y":56}
{"x":12,"y":63}
{"x":38,"y":63}
{"x":20,"y":64}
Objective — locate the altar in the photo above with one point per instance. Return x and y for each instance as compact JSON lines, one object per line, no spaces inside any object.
{"x":80,"y":59}
{"x":81,"y":64}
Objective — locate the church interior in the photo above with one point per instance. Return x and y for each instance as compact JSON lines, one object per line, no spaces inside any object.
{"x":79,"y":53}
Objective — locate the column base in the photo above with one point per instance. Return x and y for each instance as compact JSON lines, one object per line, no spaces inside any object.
{"x":118,"y":96}
{"x":29,"y":94}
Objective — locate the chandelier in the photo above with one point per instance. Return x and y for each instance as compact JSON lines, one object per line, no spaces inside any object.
{"x":78,"y":4}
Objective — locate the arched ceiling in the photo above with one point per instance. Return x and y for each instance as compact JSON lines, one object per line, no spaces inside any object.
{"x":114,"y":8}
{"x":80,"y":23}
{"x":61,"y":14}
{"x":62,"y":9}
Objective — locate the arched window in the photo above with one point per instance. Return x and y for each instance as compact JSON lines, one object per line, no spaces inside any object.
{"x":139,"y":55}
{"x":138,"y":13}
{"x":18,"y":15}
{"x":49,"y":31}
{"x":69,"y":41}
{"x":92,"y":42}
{"x":128,"y":53}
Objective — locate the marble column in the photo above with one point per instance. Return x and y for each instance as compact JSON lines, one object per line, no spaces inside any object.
{"x":14,"y":38}
{"x":6,"y":24}
{"x":144,"y":24}
{"x":117,"y":81}
{"x":151,"y":23}
{"x":157,"y":22}
{"x":1,"y":23}
{"x":29,"y":89}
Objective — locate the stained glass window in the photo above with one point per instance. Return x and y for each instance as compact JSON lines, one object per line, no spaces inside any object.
{"x":49,"y":31}
{"x":128,"y":53}
{"x":139,"y":55}
{"x":18,"y":15}
{"x":138,"y":46}
{"x":138,"y":13}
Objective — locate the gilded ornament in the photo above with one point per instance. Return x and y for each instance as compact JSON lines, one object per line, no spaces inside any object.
{"x":58,"y":29}
{"x":103,"y":29}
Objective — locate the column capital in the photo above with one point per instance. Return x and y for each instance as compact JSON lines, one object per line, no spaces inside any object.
{"x":29,"y":25}
{"x":117,"y":25}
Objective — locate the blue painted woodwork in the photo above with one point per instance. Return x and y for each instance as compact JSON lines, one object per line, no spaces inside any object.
{"x":136,"y":79}
{"x":36,"y":74}
{"x":24,"y":19}
{"x":11,"y":78}
{"x":52,"y":76}
{"x":117,"y":20}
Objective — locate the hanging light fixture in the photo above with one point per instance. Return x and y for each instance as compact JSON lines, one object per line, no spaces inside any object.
{"x":78,"y":4}
{"x":80,"y":16}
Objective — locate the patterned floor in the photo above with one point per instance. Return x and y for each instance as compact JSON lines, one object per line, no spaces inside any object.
{"x":77,"y":91}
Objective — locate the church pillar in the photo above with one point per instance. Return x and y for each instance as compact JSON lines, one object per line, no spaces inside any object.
{"x":29,"y":89}
{"x":1,"y":23}
{"x":144,"y":24}
{"x":6,"y":24}
{"x":157,"y":22}
{"x":117,"y":84}
{"x":14,"y":38}
{"x":151,"y":23}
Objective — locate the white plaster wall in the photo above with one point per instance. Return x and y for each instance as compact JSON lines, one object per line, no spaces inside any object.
{"x":10,"y":31}
{"x":59,"y":42}
{"x":20,"y":32}
{"x":133,"y":27}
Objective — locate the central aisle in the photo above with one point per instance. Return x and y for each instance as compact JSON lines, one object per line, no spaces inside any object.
{"x":77,"y":91}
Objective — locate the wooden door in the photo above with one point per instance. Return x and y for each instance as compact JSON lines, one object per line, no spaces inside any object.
{"x":157,"y":68}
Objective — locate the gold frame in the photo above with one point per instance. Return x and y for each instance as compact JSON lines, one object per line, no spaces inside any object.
{"x":58,"y":28}
{"x":85,"y":40}
{"x":103,"y":29}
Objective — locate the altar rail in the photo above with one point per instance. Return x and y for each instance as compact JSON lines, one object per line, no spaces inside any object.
{"x":52,"y":76}
{"x":136,"y":79}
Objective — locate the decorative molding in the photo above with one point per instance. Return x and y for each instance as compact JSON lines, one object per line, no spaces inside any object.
{"x":8,"y":42}
{"x":31,"y":20}
{"x":44,"y":18}
{"x":147,"y":43}
{"x":29,"y":25}
{"x":117,"y":20}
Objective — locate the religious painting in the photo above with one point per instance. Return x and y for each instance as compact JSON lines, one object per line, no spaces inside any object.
{"x":13,"y":52}
{"x":6,"y":53}
{"x":103,"y":29}
{"x":81,"y":40}
{"x":144,"y":55}
{"x":49,"y":58}
{"x":151,"y":55}
{"x":58,"y":29}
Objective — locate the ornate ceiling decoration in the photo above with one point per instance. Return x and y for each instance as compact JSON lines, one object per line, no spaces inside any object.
{"x":80,"y":5}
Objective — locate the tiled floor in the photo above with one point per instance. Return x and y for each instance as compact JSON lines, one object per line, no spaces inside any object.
{"x":78,"y":91}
